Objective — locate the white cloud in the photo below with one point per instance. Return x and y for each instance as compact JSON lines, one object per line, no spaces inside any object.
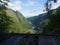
{"x":30,"y":3}
{"x":16,"y":5}
{"x":55,"y":5}
{"x":33,"y":13}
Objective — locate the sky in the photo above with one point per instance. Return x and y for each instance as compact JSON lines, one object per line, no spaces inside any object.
{"x":30,"y":8}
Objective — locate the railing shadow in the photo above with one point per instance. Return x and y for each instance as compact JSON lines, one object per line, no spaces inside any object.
{"x":35,"y":39}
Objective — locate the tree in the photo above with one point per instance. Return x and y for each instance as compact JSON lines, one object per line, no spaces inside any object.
{"x":48,"y":6}
{"x":49,"y":27}
{"x":4,"y":19}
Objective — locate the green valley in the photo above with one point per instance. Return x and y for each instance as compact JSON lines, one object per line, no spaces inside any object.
{"x":19,"y":23}
{"x":42,"y":23}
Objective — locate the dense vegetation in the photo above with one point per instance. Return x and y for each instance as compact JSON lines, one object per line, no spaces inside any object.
{"x":39,"y":22}
{"x":4,"y":19}
{"x":53,"y":26}
{"x":46,"y":25}
{"x":13,"y":21}
{"x":19,"y":24}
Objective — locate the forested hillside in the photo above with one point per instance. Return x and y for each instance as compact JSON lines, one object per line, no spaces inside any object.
{"x":20,"y":24}
{"x":42,"y":22}
{"x":16,"y":22}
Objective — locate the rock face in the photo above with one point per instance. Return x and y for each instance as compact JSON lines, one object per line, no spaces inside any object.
{"x":33,"y":40}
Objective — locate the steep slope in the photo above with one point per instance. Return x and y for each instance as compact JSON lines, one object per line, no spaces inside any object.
{"x":23,"y":21}
{"x":20,"y":23}
{"x":53,"y":26}
{"x":41,"y":21}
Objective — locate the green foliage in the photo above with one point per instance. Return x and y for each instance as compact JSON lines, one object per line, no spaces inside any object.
{"x":4,"y":19}
{"x":54,"y":22}
{"x":45,"y":25}
{"x":48,"y":6}
{"x":4,"y":2}
{"x":20,"y":23}
{"x":39,"y":22}
{"x":13,"y":22}
{"x":52,"y":17}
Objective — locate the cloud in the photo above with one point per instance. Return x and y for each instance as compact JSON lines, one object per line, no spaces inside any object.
{"x":30,"y":3}
{"x":16,"y":5}
{"x":30,"y":7}
{"x":55,"y":5}
{"x":34,"y":13}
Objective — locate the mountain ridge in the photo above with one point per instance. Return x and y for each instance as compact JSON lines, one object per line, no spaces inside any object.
{"x":20,"y":23}
{"x":41,"y":21}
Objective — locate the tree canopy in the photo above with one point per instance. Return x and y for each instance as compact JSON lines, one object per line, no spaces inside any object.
{"x":4,"y":19}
